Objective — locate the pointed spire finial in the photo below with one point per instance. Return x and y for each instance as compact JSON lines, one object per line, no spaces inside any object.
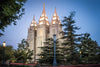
{"x":34,"y":18}
{"x":44,"y":5}
{"x":33,"y":23}
{"x":55,"y":11}
{"x":43,"y":8}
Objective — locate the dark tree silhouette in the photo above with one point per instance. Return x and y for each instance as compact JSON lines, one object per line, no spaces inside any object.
{"x":23,"y":53}
{"x":10,"y":11}
{"x":89,"y":50}
{"x":47,"y":54}
{"x":71,"y":39}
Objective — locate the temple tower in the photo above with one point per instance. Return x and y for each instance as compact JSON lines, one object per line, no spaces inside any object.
{"x":31,"y":38}
{"x":42,"y":31}
{"x":55,"y":26}
{"x":39,"y":32}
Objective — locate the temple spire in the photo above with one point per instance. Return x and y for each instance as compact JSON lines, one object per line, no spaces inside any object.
{"x":33,"y":18}
{"x":33,"y":23}
{"x":43,"y":18}
{"x":55,"y":18}
{"x":55,"y":11}
{"x":44,"y":9}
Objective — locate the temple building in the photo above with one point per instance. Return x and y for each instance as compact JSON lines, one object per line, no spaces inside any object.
{"x":39,"y":32}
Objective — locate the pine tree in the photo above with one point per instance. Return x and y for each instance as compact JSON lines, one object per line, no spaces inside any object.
{"x":47,"y":53}
{"x":89,"y":49}
{"x":71,"y":39}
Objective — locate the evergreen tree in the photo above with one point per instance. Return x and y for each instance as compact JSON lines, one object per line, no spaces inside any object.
{"x":71,"y":39}
{"x":47,"y":54}
{"x":23,"y":53}
{"x":89,"y":49}
{"x":97,"y":57}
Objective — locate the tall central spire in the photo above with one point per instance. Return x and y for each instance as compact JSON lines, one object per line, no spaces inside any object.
{"x":43,"y":18}
{"x":55,"y":11}
{"x":44,"y":9}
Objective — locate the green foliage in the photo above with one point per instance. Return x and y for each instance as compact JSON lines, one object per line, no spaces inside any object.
{"x":47,"y":54}
{"x":10,"y":11}
{"x":89,"y":50}
{"x":23,"y":53}
{"x":78,"y":49}
{"x":8,"y":52}
{"x":71,"y":39}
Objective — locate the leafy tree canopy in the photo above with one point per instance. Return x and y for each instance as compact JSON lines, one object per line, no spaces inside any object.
{"x":23,"y":53}
{"x":8,"y":52}
{"x":10,"y":11}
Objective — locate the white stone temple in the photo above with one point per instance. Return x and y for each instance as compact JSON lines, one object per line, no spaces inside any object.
{"x":39,"y":32}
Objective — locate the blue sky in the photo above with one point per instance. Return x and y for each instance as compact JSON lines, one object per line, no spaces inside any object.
{"x":87,"y":18}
